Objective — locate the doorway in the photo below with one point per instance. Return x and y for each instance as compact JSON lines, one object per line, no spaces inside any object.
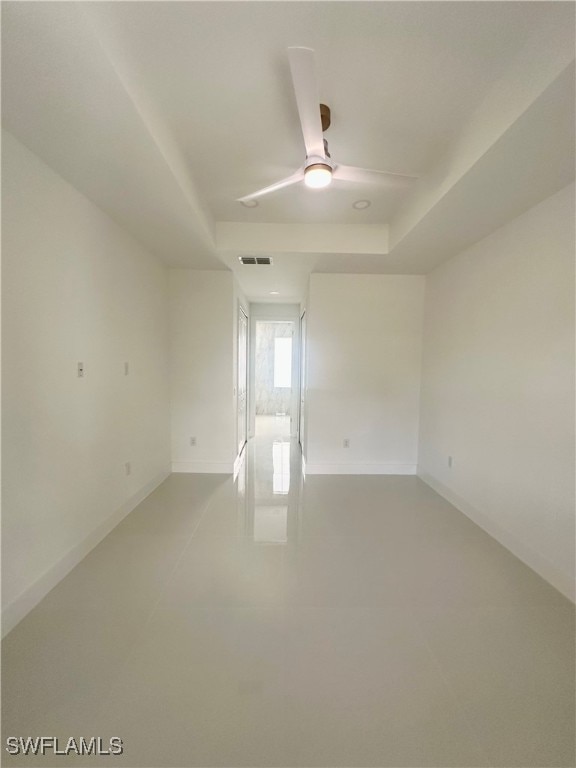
{"x":274,"y":370}
{"x":273,"y":377}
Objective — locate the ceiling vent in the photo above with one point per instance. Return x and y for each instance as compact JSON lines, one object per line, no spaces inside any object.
{"x":257,"y":260}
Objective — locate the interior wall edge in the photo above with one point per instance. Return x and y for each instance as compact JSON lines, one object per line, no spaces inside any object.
{"x":13,"y":613}
{"x":541,"y":565}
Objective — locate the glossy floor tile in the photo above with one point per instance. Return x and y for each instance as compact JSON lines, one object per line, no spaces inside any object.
{"x":271,"y":621}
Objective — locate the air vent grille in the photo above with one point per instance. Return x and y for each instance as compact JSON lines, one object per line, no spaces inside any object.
{"x":256,"y":260}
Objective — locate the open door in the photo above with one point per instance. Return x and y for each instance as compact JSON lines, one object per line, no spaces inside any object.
{"x":242,"y":388}
{"x":301,"y":410}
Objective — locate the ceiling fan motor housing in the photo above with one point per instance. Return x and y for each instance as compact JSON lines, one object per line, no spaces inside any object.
{"x":318,"y":162}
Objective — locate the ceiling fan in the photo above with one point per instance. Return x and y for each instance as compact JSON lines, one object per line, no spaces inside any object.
{"x":319,"y":170}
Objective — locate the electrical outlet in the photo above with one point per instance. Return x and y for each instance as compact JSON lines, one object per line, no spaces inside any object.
{"x":80,"y":370}
{"x":128,"y":468}
{"x":450,"y":460}
{"x":126,"y":369}
{"x":346,"y":442}
{"x":193,"y":441}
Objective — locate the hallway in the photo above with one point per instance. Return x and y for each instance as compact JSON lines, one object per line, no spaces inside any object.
{"x":275,"y":621}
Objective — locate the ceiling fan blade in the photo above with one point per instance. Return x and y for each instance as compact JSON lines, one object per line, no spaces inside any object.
{"x":367,"y":176}
{"x":307,"y":99}
{"x":288,"y":181}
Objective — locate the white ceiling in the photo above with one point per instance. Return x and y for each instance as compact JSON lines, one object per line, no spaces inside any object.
{"x":164,"y":113}
{"x":400,"y":79}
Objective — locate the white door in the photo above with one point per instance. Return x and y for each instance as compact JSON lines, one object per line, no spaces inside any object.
{"x":242,"y":377}
{"x":301,"y":410}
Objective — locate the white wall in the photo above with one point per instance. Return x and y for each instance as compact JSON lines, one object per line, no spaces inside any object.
{"x":76,"y":288}
{"x":498,"y":386}
{"x":364,"y":335}
{"x":202,"y":365}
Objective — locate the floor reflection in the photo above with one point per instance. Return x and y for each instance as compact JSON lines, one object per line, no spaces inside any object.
{"x":269,"y":482}
{"x":281,"y":464}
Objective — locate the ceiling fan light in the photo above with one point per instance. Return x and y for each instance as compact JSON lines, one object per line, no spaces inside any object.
{"x":317,"y":175}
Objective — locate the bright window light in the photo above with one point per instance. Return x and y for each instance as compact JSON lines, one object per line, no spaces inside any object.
{"x":283,"y":362}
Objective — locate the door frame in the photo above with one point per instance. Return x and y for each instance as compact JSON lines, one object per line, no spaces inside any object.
{"x":242,"y":311}
{"x":271,"y":313}
{"x":302,"y":387}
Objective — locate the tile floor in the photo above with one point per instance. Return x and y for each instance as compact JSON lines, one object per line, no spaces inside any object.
{"x":268,"y":621}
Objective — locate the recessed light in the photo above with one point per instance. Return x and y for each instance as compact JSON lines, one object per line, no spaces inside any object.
{"x":249,"y":203}
{"x":361,"y":204}
{"x":274,"y":293}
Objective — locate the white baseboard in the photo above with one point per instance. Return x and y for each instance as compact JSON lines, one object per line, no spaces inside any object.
{"x":23,"y":604}
{"x":543,"y":567}
{"x":204,"y":467}
{"x":360,"y":469}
